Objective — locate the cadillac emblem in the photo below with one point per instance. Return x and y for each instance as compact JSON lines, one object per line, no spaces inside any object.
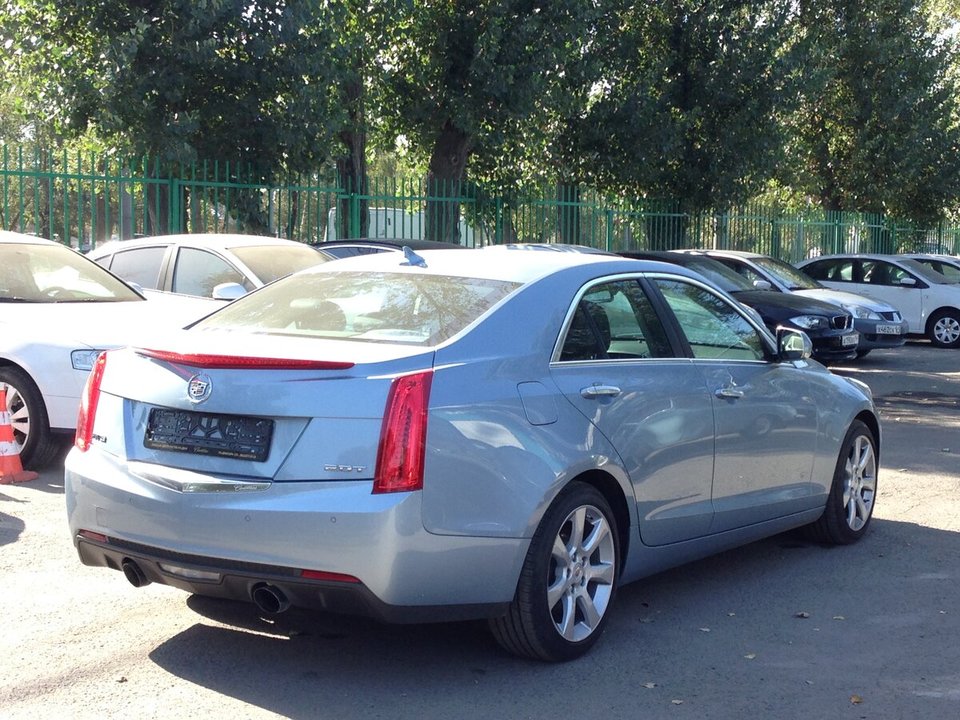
{"x":199,"y":388}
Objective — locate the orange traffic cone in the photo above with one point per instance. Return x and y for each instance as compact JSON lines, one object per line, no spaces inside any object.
{"x":11,"y":471}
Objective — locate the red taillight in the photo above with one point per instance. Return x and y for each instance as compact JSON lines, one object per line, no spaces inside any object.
{"x":403,"y":437}
{"x":91,"y":535}
{"x":88,"y":404}
{"x":234,"y":362}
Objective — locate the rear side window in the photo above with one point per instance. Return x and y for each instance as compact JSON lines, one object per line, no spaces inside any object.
{"x":140,"y":266}
{"x":365,"y":307}
{"x":198,"y":272}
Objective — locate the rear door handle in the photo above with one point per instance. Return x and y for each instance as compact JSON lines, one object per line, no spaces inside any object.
{"x":729,"y":393}
{"x":591,"y":392}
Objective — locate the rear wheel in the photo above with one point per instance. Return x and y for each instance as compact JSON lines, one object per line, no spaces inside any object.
{"x":28,"y":417}
{"x":568,"y":581}
{"x":853,"y":492}
{"x":943,"y":329}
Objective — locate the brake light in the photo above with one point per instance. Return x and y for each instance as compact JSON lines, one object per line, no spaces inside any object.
{"x":328,"y":576}
{"x":236,"y":362}
{"x":403,"y":436}
{"x":88,"y":404}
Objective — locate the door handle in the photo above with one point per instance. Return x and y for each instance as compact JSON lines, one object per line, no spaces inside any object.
{"x":729,"y":393}
{"x":591,"y":392}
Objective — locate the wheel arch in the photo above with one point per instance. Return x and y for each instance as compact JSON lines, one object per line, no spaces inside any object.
{"x":934,"y":313}
{"x":873,"y":423}
{"x":613,"y":493}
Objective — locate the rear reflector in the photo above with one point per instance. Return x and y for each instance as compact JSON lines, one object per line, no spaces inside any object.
{"x":331,"y":576}
{"x":403,"y":436}
{"x":88,"y":404}
{"x":90,"y":535}
{"x":235,"y":362}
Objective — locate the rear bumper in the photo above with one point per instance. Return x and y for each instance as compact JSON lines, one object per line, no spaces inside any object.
{"x":237,"y":581}
{"x":271,"y":535}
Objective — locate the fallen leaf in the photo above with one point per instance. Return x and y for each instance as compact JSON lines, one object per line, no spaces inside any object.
{"x":121,"y":679}
{"x":750,"y":656}
{"x":856,"y":699}
{"x":731,"y":614}
{"x":649,"y":685}
{"x":677,"y":702}
{"x":801,"y":614}
{"x":704,"y":629}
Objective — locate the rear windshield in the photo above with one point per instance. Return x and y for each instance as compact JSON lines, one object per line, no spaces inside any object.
{"x":367,"y":307}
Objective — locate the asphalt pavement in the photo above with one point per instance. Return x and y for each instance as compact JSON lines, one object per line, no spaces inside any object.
{"x":779,"y":629}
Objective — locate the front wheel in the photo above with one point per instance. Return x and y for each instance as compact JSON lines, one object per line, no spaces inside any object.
{"x":853,"y":491}
{"x":943,"y":329}
{"x":568,"y":580}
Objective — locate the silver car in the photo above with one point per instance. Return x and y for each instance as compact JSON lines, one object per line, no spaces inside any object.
{"x":487,"y":433}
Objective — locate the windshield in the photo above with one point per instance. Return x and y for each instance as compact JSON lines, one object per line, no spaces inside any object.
{"x":361,"y":306}
{"x":926,"y":272}
{"x":787,"y":274}
{"x":55,"y":273}
{"x":719,"y":274}
{"x":270,"y":262}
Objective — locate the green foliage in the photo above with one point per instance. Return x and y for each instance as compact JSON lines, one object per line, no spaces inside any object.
{"x":877,"y":128}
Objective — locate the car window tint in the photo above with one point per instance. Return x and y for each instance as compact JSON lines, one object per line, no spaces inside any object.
{"x":877,"y":272}
{"x":614,"y":321}
{"x":198,"y":272}
{"x":831,"y":270}
{"x":141,"y":265}
{"x":743,"y":270}
{"x":951,"y":271}
{"x":55,"y":273}
{"x":713,"y":327}
{"x":269,"y":262}
{"x":342,"y":251}
{"x":363,"y":306}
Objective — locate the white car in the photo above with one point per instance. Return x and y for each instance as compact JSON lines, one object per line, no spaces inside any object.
{"x":928,"y":300}
{"x":215,"y":265}
{"x":59,"y":311}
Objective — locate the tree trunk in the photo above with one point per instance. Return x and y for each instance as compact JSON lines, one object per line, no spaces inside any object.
{"x":353,"y":213}
{"x":444,"y":181}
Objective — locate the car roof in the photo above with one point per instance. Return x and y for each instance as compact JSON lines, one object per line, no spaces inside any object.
{"x":9,"y":236}
{"x":391,"y":243}
{"x":513,"y":263}
{"x":206,"y":240}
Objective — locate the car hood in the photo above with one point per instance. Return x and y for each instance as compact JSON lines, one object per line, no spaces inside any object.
{"x":839,"y":297}
{"x":796,"y":303}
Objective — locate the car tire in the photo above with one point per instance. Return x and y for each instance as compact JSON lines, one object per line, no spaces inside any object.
{"x":853,"y":491}
{"x":28,"y":414}
{"x":568,"y":581}
{"x":943,"y":328}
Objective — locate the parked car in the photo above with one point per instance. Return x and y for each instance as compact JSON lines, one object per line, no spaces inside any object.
{"x":947,"y":265}
{"x":216,"y":265}
{"x":60,"y":310}
{"x":830,"y":327}
{"x":486,"y":433}
{"x":929,"y":301}
{"x":368,"y":246}
{"x":880,"y":324}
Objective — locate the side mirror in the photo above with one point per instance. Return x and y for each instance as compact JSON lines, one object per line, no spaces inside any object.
{"x":793,"y":344}
{"x":762,"y":285}
{"x":228,"y":291}
{"x":908,"y":281}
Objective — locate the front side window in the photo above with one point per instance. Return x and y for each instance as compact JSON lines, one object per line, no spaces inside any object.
{"x":198,"y":272}
{"x":713,"y":327}
{"x":831,"y":270}
{"x":141,"y":265}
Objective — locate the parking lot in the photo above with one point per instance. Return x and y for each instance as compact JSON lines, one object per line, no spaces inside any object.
{"x":778,"y":629}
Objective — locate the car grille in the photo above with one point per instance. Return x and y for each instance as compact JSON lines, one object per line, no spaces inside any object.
{"x":894,"y":315}
{"x":841,"y":322}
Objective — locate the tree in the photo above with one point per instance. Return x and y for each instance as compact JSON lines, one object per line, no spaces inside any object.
{"x":877,"y":128}
{"x":184,"y":80}
{"x":459,"y":76}
{"x":688,"y":105}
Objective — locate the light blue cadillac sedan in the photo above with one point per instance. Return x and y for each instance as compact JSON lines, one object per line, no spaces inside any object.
{"x":507,"y":433}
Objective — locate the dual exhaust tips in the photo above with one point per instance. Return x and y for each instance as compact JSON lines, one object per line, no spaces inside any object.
{"x":268,"y":598}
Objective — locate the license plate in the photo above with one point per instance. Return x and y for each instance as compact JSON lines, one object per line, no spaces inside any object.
{"x":888,"y":329}
{"x":232,"y":436}
{"x":851,"y":339}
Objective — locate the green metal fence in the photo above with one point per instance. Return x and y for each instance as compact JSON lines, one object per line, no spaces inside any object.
{"x":84,"y":201}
